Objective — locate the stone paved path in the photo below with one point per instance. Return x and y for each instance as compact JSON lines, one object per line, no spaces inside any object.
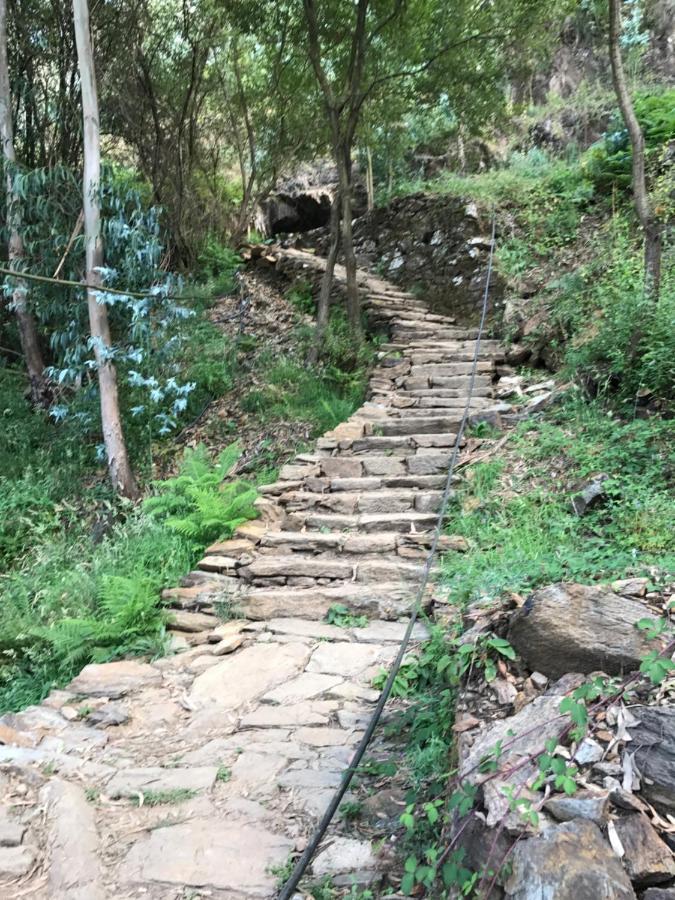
{"x":199,"y":774}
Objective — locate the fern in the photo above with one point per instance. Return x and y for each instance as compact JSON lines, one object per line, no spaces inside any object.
{"x":128,"y":620}
{"x":197,"y":504}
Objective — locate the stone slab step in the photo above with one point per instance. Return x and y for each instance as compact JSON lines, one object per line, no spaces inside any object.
{"x":459,"y":397}
{"x":453,"y":382}
{"x":386,"y":601}
{"x":356,"y":545}
{"x":363,"y":569}
{"x":354,"y":502}
{"x":366,"y":523}
{"x":417,"y":424}
{"x":447,"y":369}
{"x":380,"y":443}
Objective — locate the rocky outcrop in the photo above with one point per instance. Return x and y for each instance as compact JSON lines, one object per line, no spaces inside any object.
{"x":435,"y":246}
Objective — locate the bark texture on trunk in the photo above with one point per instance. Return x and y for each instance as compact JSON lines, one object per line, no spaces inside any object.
{"x":119,"y":467}
{"x":353,"y":300}
{"x":650,"y":226}
{"x":28,"y":333}
{"x":323,"y":305}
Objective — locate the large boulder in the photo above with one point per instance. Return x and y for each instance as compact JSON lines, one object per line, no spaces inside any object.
{"x":654,"y":746}
{"x":568,"y":862}
{"x":578,"y":628}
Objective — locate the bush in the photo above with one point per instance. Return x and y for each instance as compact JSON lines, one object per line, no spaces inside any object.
{"x":619,"y":340}
{"x":608,"y":162}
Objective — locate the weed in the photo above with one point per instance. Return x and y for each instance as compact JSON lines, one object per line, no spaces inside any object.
{"x":283,"y":872}
{"x":224,"y":774}
{"x":351,"y":809}
{"x":93,"y":795}
{"x":164,"y":798}
{"x":338,"y":614}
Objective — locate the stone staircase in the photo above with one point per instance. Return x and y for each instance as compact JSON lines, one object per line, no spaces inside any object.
{"x":201,"y":774}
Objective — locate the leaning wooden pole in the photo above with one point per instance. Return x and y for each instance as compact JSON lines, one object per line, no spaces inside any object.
{"x":119,"y":467}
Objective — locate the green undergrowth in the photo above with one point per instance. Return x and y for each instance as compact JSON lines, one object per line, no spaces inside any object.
{"x":90,"y":592}
{"x":519,"y":521}
{"x":323,"y":395}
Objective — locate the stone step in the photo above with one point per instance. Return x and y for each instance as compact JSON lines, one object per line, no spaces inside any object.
{"x":327,"y":567}
{"x":410,"y":546}
{"x":379,"y":443}
{"x":386,"y":601}
{"x":423,"y":331}
{"x":354,"y":502}
{"x":374,"y":483}
{"x":481,"y":388}
{"x":361,"y":484}
{"x":417,"y":424}
{"x":366,"y":522}
{"x":398,"y":462}
{"x":456,"y":382}
{"x":446,"y":369}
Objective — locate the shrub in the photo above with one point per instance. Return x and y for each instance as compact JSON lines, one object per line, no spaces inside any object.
{"x":608,"y":162}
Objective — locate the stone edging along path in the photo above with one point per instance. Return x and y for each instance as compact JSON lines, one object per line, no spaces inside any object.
{"x":200,"y":773}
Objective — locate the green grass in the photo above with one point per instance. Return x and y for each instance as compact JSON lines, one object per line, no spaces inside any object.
{"x":322,"y":396}
{"x":522,"y":530}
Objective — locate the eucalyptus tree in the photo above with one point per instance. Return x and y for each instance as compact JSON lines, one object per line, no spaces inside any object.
{"x":30,"y":342}
{"x":119,"y":467}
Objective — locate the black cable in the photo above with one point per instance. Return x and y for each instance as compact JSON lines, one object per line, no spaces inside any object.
{"x":301,"y":865}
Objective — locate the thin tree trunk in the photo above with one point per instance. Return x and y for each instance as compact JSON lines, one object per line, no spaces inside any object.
{"x":30,"y":343}
{"x":119,"y":467}
{"x":323,"y":306}
{"x":353,"y":300}
{"x":648,"y":221}
{"x":370,"y":183}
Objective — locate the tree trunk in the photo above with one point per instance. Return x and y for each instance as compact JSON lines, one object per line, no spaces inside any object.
{"x":648,"y":221}
{"x":30,"y":343}
{"x":119,"y":468}
{"x":353,"y":301}
{"x":370,"y":182}
{"x":323,"y":306}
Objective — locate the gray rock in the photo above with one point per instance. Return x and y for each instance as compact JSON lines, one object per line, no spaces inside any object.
{"x":235,"y":858}
{"x":654,"y":745}
{"x":520,"y":735}
{"x":134,"y":781}
{"x":108,"y":714}
{"x":572,"y":627}
{"x":588,"y":751}
{"x":11,"y":831}
{"x":647,"y":859}
{"x":114,"y":679}
{"x":15,"y":861}
{"x":582,"y":805}
{"x":74,"y":870}
{"x":590,"y":495}
{"x":568,"y":862}
{"x":343,"y":855}
{"x":653,"y":893}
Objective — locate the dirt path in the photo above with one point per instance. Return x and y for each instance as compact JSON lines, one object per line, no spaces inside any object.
{"x":202,"y":773}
